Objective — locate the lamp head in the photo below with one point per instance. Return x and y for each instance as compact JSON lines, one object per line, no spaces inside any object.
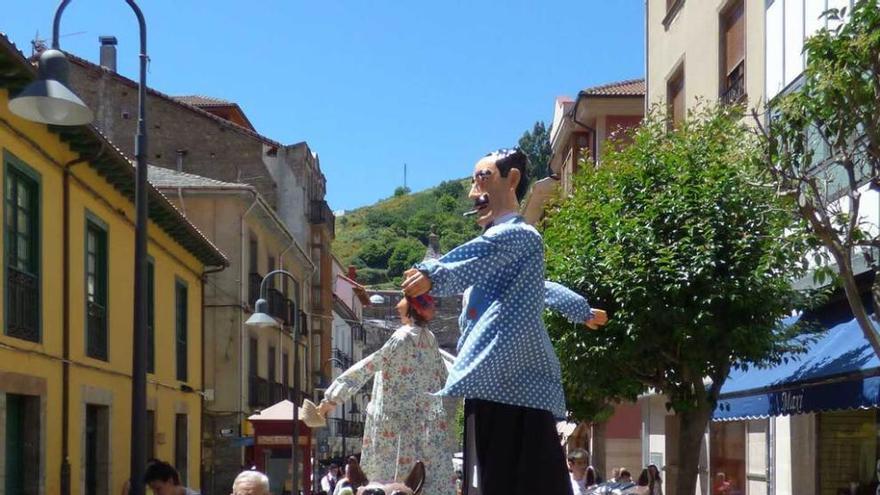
{"x":48,"y":99}
{"x":261,"y":318}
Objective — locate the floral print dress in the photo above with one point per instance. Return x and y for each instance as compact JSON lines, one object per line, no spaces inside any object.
{"x":405,"y":422}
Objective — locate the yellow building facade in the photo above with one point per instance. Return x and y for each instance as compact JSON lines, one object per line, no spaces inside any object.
{"x":67,"y":308}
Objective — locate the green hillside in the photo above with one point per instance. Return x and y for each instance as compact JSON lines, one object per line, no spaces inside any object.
{"x":386,"y":238}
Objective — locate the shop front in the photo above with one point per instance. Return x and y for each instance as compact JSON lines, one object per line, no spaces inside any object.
{"x":808,"y":426}
{"x":273,"y":438}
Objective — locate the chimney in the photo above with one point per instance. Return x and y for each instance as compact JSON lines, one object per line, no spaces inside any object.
{"x":180,"y":156}
{"x":108,"y":52}
{"x":352,"y":272}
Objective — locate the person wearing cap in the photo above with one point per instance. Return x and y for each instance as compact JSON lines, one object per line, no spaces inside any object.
{"x":405,"y":422}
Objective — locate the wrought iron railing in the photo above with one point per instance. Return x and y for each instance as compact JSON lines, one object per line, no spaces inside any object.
{"x":258,"y":392}
{"x":345,"y":428}
{"x":254,"y":280}
{"x":735,"y":86}
{"x":340,"y":357}
{"x":96,"y":341}
{"x":22,"y":309}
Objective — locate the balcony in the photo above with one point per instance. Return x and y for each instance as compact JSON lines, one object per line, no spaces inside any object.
{"x":276,"y":304}
{"x":345,"y":428}
{"x":96,"y":340}
{"x":22,"y":320}
{"x":320,"y":213}
{"x":254,"y":280}
{"x":341,"y":357}
{"x":735,"y":85}
{"x":258,"y":392}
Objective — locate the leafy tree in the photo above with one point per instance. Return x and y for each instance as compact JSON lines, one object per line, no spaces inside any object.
{"x":694,"y":263}
{"x":406,"y":253}
{"x":823,"y":146}
{"x":375,"y":253}
{"x":536,"y":145}
{"x":401,"y":191}
{"x":452,"y":188}
{"x":448,"y":203}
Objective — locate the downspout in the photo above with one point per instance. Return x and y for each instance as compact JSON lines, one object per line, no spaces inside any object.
{"x":204,"y":279}
{"x":65,"y":320}
{"x":242,"y":298}
{"x":574,"y":118}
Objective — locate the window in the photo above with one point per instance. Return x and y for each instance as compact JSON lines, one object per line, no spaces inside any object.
{"x":673,"y":7}
{"x":675,"y":97}
{"x":732,"y":51}
{"x":96,"y":289}
{"x":271,"y":362}
{"x":285,"y":370}
{"x":151,"y":434}
{"x":181,"y":331}
{"x":22,"y":252}
{"x":847,"y":451}
{"x":97,"y":448}
{"x":180,"y":447}
{"x":22,"y":444}
{"x":253,"y":253}
{"x":151,"y":318}
{"x":253,"y":357}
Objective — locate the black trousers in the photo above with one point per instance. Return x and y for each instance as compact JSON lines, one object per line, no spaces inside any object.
{"x":512,"y":450}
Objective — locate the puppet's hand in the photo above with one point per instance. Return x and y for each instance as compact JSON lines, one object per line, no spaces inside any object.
{"x":325,"y":407}
{"x":599,"y":318}
{"x":415,"y":283}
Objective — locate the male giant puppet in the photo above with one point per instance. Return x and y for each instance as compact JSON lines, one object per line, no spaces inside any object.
{"x":506,"y":369}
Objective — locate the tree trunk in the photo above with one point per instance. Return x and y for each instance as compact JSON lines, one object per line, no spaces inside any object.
{"x":691,"y":430}
{"x":851,"y":289}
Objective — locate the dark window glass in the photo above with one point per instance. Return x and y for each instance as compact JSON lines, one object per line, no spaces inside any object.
{"x":180,"y":446}
{"x":96,"y":291}
{"x":22,"y":255}
{"x":181,"y":331}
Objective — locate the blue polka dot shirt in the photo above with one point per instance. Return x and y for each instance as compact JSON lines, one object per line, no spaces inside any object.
{"x":504,"y":352}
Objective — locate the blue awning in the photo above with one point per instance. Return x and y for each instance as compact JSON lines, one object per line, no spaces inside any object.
{"x":838,"y":371}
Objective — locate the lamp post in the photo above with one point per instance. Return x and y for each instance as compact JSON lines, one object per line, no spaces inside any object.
{"x":262,"y":319}
{"x":50,"y":101}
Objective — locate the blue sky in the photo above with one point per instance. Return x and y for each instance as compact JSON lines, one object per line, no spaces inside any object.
{"x":370,"y":85}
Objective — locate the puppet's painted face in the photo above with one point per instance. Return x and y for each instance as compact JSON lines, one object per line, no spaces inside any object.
{"x":489,"y":190}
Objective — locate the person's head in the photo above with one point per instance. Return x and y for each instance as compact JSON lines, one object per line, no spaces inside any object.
{"x":591,"y":476}
{"x":250,"y":483}
{"x":720,"y":477}
{"x":417,"y":310}
{"x":577,"y":462}
{"x":354,"y":474}
{"x":161,"y":477}
{"x":643,"y":478}
{"x":500,"y":180}
{"x":625,"y":476}
{"x":654,"y":473}
{"x":334,"y":469}
{"x":615,"y":473}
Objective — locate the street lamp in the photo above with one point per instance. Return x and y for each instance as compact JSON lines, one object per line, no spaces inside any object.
{"x":262,"y":319}
{"x":48,"y":100}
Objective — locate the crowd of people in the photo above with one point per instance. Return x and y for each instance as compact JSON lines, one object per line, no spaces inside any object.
{"x":163,"y":479}
{"x":586,"y":480}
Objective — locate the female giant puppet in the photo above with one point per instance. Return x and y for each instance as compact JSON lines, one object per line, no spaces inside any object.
{"x":405,"y":422}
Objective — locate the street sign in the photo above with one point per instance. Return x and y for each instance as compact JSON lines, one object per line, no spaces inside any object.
{"x":227,"y":432}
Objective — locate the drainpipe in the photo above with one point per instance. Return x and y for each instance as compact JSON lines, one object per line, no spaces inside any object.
{"x":65,"y":320}
{"x":204,"y":279}
{"x":242,"y":297}
{"x":574,"y":118}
